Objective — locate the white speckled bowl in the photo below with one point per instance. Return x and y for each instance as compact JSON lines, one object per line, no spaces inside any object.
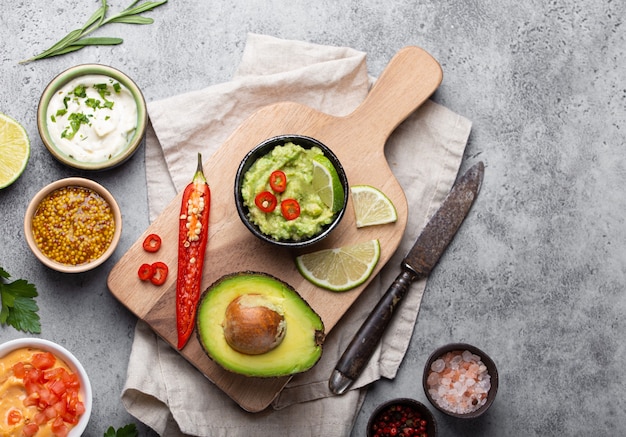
{"x":82,"y":70}
{"x":34,"y":204}
{"x":72,"y":362}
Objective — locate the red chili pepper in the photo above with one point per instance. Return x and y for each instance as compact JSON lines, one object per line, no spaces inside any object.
{"x":193,"y":233}
{"x":146,"y":271}
{"x":160,"y":273}
{"x":290,"y":209}
{"x":278,"y":181}
{"x":265,"y":201}
{"x":152,"y":243}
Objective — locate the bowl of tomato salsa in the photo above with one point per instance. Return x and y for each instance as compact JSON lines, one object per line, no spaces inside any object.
{"x":45,"y":390}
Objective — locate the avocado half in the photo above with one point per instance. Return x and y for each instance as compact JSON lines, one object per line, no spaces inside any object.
{"x":254,"y":324}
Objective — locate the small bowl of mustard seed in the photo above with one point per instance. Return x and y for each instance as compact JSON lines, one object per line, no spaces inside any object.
{"x":73,"y":225}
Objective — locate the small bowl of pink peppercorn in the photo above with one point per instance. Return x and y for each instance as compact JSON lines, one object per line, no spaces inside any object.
{"x":402,"y":417}
{"x":460,"y":380}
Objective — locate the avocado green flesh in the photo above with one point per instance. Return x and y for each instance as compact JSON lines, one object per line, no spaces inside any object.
{"x":301,"y":347}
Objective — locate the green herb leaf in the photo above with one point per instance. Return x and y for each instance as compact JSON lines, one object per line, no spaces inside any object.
{"x":77,"y":39}
{"x":133,"y":20}
{"x":19,"y":308}
{"x":98,"y":41}
{"x":126,"y":431}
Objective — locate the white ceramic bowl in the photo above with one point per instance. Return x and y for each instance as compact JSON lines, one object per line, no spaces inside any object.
{"x":82,"y":70}
{"x":61,"y":353}
{"x":32,"y":208}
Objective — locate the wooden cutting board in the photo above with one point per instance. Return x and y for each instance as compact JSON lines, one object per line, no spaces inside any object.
{"x":357,"y":139}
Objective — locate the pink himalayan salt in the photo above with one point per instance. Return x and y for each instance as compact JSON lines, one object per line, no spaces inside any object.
{"x":458,"y":382}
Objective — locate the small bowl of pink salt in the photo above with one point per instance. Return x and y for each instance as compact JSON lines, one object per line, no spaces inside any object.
{"x":460,"y":380}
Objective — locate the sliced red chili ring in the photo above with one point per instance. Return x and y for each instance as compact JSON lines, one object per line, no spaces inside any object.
{"x":265,"y":201}
{"x":152,"y":243}
{"x":160,"y":273}
{"x":278,"y":181}
{"x":146,"y":271}
{"x":290,"y":209}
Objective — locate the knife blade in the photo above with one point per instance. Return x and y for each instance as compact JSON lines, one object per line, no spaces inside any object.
{"x":419,"y":262}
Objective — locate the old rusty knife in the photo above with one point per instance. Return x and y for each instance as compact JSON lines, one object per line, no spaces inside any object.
{"x":421,"y":259}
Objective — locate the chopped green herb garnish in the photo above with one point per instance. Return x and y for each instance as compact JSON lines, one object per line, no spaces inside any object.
{"x":19,"y":308}
{"x":77,"y":39}
{"x":80,"y":91}
{"x":76,"y":119}
{"x":61,"y":112}
{"x":102,"y":89}
{"x":93,"y":103}
{"x":117,"y":87}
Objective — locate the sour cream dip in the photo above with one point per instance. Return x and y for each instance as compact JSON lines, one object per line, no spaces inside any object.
{"x":92,"y":118}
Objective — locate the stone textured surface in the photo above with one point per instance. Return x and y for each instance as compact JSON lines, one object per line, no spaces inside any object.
{"x":535,"y":276}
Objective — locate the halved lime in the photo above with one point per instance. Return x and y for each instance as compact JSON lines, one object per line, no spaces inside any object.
{"x":14,"y":150}
{"x":340,"y":269}
{"x":326,"y":183}
{"x":372,"y":206}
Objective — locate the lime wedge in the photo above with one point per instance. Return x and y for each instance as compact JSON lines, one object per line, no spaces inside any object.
{"x":372,"y":206}
{"x":340,"y":269}
{"x":326,"y":183}
{"x":14,"y":150}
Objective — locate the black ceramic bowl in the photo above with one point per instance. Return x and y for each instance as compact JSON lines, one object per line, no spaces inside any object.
{"x":264,"y":148}
{"x":410,"y":408}
{"x":463,"y":413}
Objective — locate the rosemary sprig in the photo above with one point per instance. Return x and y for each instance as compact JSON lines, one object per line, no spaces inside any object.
{"x":77,"y":39}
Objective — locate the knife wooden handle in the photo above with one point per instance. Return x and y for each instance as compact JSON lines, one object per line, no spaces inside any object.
{"x":360,"y":349}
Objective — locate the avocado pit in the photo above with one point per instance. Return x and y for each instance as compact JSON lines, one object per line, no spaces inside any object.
{"x":253,"y":325}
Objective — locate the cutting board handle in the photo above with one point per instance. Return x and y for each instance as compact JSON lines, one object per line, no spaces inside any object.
{"x":410,"y":78}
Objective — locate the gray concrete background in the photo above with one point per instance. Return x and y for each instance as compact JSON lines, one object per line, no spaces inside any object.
{"x":536,"y":275}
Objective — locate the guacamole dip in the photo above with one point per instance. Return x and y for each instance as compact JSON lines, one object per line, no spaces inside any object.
{"x":296,"y":163}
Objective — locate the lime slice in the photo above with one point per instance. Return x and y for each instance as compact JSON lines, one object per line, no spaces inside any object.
{"x":372,"y":206}
{"x":326,"y":183}
{"x":342,"y":268}
{"x":14,"y":150}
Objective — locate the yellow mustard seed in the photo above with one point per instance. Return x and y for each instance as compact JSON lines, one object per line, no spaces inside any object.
{"x":73,"y":225}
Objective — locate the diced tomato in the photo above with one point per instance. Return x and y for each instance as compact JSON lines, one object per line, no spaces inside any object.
{"x":19,"y":370}
{"x":34,"y":376}
{"x":60,"y":407}
{"x":30,"y":429}
{"x":79,"y":409}
{"x":57,"y":387}
{"x":14,"y":417}
{"x":44,"y":360}
{"x":72,"y":381}
{"x":31,"y":399}
{"x":59,"y":428}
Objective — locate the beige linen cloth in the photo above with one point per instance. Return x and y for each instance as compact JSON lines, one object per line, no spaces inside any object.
{"x":162,"y":389}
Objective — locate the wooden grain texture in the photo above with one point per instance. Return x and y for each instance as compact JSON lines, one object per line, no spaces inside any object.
{"x":357,"y":139}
